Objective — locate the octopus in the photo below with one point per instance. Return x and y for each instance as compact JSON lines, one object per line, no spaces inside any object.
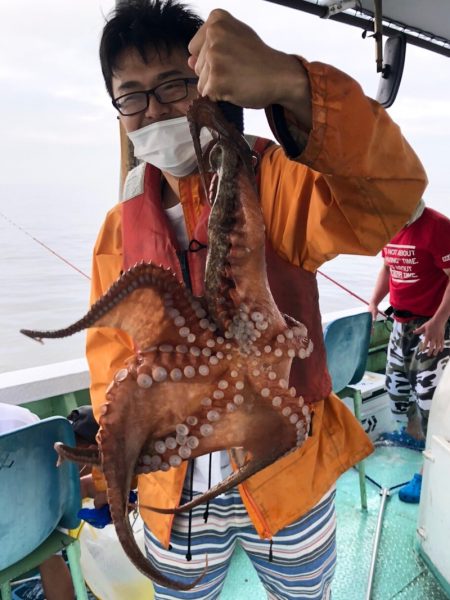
{"x":210,"y":373}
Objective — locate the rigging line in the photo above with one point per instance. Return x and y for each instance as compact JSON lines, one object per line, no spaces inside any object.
{"x":349,"y":291}
{"x":43,"y":245}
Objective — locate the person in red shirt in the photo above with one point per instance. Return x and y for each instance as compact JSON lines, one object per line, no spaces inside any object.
{"x":416,"y":273}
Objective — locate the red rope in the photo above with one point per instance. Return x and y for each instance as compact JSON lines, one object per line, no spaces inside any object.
{"x":44,"y":245}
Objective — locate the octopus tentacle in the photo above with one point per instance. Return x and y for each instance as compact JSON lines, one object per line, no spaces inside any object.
{"x":120,"y":450}
{"x":235,"y":272}
{"x":249,"y":469}
{"x":84,"y":456}
{"x":148,"y":303}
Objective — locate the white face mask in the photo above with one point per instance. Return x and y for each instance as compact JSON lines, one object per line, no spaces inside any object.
{"x":168,"y":145}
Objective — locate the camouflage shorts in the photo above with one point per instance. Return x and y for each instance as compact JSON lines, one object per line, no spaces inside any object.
{"x":412,"y":375}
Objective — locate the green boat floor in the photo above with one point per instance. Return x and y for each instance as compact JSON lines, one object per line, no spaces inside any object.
{"x":400,"y":573}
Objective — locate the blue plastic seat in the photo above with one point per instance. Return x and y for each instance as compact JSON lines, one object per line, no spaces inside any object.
{"x":347,"y":343}
{"x":36,"y":499}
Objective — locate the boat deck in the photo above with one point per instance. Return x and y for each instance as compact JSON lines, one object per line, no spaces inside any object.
{"x":400,"y":572}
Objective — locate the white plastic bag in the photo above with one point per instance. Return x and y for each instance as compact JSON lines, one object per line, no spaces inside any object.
{"x":106,"y":568}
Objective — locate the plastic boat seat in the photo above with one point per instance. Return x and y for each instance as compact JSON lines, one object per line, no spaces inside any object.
{"x":347,"y":342}
{"x":37,"y":498}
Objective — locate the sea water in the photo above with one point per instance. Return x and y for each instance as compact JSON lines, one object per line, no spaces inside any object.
{"x":41,"y":287}
{"x":42,"y":291}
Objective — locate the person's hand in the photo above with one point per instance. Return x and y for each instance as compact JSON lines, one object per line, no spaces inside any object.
{"x":88,"y":490}
{"x":234,"y":64}
{"x":373,"y":309}
{"x":100,"y":499}
{"x":433,"y":332}
{"x":87,"y":487}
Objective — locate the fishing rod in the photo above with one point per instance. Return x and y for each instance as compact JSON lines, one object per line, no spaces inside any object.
{"x":349,"y":291}
{"x":35,"y":239}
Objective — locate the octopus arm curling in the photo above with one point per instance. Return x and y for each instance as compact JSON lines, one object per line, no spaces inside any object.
{"x":249,"y":469}
{"x":236,"y":277}
{"x":142,"y":303}
{"x":119,"y":450}
{"x":82,"y":456}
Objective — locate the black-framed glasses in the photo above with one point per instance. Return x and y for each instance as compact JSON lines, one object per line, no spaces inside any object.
{"x":166,"y":93}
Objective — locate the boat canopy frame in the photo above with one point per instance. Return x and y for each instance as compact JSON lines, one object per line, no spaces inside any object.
{"x":364,"y":18}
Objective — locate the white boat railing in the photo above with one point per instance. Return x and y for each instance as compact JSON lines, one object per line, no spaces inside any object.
{"x":36,"y":383}
{"x":47,"y":381}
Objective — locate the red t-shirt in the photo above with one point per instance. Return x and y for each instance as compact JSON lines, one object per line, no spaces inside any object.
{"x":416,"y":257}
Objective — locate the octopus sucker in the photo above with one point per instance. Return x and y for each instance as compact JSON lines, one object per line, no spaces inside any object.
{"x":209,"y":373}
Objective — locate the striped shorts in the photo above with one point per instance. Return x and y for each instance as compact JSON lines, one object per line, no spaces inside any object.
{"x":299,"y":563}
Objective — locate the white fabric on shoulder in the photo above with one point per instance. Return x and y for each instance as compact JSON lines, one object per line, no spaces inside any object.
{"x":134,"y":183}
{"x":176,"y":217}
{"x":417,"y":213}
{"x":13,"y":417}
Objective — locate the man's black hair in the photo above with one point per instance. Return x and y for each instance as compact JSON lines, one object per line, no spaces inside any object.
{"x":147,"y":25}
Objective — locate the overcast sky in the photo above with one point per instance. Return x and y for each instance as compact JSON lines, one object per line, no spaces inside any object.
{"x":59,"y":156}
{"x":59,"y":130}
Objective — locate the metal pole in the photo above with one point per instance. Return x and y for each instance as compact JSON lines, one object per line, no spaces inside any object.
{"x":384,"y":495}
{"x":357,"y":402}
{"x":378,"y":34}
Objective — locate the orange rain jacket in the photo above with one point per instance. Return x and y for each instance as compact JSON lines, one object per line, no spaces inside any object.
{"x":350,"y":189}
